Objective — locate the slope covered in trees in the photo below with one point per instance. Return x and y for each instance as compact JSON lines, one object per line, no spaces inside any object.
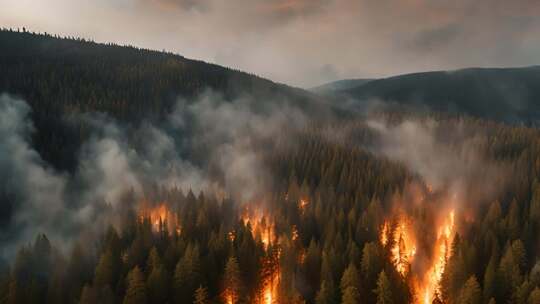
{"x":506,"y":94}
{"x":324,"y":216}
{"x":396,"y":208}
{"x":63,"y":77}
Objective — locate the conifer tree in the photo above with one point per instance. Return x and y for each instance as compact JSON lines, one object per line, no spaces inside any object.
{"x":136,"y":289}
{"x":201,"y":296}
{"x":232,"y":281}
{"x":384,"y":290}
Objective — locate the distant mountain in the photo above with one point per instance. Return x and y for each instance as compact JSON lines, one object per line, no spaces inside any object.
{"x":339,"y":85}
{"x":506,"y":94}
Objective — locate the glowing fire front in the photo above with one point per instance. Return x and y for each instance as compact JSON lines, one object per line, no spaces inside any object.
{"x":261,"y":226}
{"x":429,"y":287}
{"x":400,"y":238}
{"x":160,"y":216}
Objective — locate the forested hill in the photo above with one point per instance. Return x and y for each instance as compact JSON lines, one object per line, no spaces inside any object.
{"x":127,"y":82}
{"x":505,"y":94}
{"x":59,"y":77}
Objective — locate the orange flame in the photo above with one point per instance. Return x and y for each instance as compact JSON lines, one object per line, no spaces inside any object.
{"x":261,"y":226}
{"x":432,"y":278}
{"x":160,"y":217}
{"x":403,"y":244}
{"x":302,"y":204}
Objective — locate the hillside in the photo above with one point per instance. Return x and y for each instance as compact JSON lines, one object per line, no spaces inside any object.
{"x":63,"y":77}
{"x":344,"y":84}
{"x":506,"y":94}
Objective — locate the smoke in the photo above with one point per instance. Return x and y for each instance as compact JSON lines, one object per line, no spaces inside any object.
{"x":448,"y":157}
{"x":201,"y":139}
{"x":31,"y":189}
{"x":239,"y":135}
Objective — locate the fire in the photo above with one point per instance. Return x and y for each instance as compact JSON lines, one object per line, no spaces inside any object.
{"x":229,"y":298}
{"x":261,"y":226}
{"x":399,"y":235}
{"x":432,"y":278}
{"x":160,"y":217}
{"x":302,"y":204}
{"x":294,"y":233}
{"x":403,"y":246}
{"x":271,"y":277}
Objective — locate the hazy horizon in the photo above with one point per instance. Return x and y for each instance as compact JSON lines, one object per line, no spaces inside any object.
{"x":304,"y":43}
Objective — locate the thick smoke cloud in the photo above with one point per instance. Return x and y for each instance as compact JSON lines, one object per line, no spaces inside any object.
{"x":202,"y":138}
{"x":447,"y":158}
{"x":305,"y":42}
{"x":34,"y":191}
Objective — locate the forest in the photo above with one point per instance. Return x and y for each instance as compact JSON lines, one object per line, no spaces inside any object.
{"x":387,"y":208}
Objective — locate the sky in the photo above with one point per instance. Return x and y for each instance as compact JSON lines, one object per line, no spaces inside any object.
{"x":304,"y":42}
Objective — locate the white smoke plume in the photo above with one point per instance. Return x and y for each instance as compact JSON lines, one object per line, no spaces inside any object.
{"x":447,"y":158}
{"x":208,"y":133}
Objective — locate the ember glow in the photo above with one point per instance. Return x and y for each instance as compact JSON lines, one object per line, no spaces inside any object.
{"x":160,"y":216}
{"x":430,"y":285}
{"x":401,"y":239}
{"x":302,"y":204}
{"x":261,"y":226}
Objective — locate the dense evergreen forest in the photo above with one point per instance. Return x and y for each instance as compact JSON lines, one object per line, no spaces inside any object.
{"x":339,"y":220}
{"x":314,"y":238}
{"x":63,"y":77}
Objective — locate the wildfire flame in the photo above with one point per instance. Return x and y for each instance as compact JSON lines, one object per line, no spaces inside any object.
{"x":400,"y":236}
{"x":432,"y":278}
{"x":261,"y":226}
{"x":403,"y":246}
{"x":302,"y":204}
{"x":160,"y":217}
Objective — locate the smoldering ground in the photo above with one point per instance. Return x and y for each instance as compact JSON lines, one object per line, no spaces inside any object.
{"x":199,"y":138}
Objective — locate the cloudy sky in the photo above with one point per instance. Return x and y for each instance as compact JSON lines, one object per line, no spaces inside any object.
{"x":304,"y":42}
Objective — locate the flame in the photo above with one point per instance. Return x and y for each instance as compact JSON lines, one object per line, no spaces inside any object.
{"x":261,"y":226}
{"x":160,"y":217}
{"x":403,"y":250}
{"x":302,"y":204}
{"x":432,"y":278}
{"x":403,"y":244}
{"x":229,"y":298}
{"x":294,"y":236}
{"x":272,"y":276}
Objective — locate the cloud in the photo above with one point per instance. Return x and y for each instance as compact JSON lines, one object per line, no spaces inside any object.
{"x":289,"y":40}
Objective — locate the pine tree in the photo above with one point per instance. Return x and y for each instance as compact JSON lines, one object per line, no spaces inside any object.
{"x":350,"y":296}
{"x":470,"y":292}
{"x":534,"y":297}
{"x":325,"y":294}
{"x":105,"y":270}
{"x":187,"y":275}
{"x":350,"y":285}
{"x":136,"y":290}
{"x":158,"y":285}
{"x":89,"y":295}
{"x":490,"y":280}
{"x":350,"y":278}
{"x":232,"y":280}
{"x":384,"y":290}
{"x":201,"y":296}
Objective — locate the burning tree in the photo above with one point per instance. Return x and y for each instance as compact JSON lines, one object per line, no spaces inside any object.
{"x":232,"y":282}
